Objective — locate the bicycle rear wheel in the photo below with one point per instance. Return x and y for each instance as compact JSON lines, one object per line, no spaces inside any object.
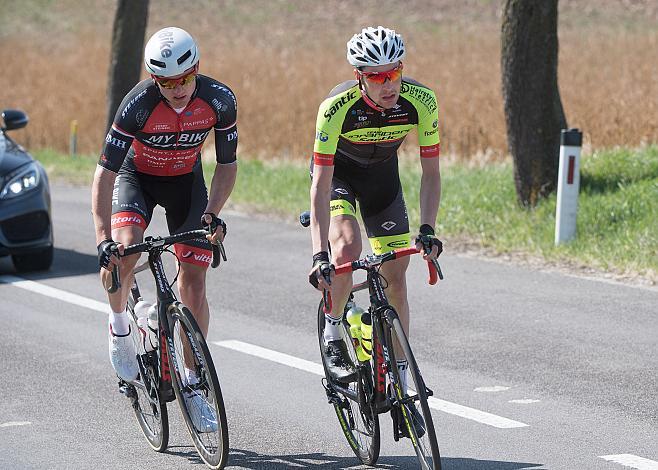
{"x":150,"y":410}
{"x":358,"y":419}
{"x":201,"y":401}
{"x":413,"y":409}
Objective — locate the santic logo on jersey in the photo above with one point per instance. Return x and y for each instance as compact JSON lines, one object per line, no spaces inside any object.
{"x":322,"y":136}
{"x":329,"y":113}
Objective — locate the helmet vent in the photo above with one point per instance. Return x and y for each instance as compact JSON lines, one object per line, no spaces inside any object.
{"x":184,"y":57}
{"x":158,"y":63}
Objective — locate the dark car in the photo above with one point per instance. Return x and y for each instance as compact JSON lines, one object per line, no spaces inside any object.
{"x":25,"y":221}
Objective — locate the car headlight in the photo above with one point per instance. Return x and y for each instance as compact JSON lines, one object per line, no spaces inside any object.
{"x":21,"y":181}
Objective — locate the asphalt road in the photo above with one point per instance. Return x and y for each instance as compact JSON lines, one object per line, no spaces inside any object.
{"x":531,"y":369}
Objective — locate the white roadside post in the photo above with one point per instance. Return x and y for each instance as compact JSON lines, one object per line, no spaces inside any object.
{"x":568,"y":185}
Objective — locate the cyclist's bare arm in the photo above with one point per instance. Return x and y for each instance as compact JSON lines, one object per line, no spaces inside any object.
{"x":222,"y":184}
{"x":101,"y":202}
{"x":430,"y":194}
{"x":320,"y":197}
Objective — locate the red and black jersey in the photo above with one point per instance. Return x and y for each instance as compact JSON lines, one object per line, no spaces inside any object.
{"x":163,"y":142}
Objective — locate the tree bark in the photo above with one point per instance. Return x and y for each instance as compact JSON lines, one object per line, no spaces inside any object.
{"x":533,"y":110}
{"x":127,"y":49}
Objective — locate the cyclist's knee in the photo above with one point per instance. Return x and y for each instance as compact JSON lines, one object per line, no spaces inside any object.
{"x":345,"y":252}
{"x":128,"y":234}
{"x":192,"y":276}
{"x":396,"y":275}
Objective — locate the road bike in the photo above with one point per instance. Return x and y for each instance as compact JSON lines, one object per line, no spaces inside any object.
{"x":180,"y":345}
{"x":378,"y":386}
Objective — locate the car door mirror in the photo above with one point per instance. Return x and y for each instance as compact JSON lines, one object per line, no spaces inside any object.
{"x":14,"y":119}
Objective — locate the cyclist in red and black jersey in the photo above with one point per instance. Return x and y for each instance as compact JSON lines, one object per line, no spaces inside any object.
{"x":152,"y":157}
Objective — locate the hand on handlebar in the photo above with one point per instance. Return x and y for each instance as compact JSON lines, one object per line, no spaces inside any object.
{"x":107,"y":258}
{"x":429,"y":246}
{"x":211,"y":220}
{"x":322,"y":271}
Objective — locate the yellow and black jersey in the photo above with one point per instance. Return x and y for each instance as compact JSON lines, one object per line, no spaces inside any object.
{"x":348,"y":127}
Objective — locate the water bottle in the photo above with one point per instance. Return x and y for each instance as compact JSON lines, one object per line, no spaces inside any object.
{"x":141,"y":310}
{"x":152,"y":323}
{"x":354,"y":314}
{"x":366,"y":333}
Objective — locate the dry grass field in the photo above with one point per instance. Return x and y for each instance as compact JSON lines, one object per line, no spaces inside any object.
{"x":281,"y":57}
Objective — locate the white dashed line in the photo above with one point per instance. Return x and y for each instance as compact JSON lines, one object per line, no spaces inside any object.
{"x":524,"y":401}
{"x":9,"y":424}
{"x":632,"y":461}
{"x":494,"y":388}
{"x":275,"y":356}
{"x":55,"y":293}
{"x":317,"y":369}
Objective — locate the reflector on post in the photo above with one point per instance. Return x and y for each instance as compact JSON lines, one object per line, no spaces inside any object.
{"x":568,"y":185}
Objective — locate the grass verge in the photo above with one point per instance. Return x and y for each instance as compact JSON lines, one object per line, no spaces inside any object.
{"x":617,"y":229}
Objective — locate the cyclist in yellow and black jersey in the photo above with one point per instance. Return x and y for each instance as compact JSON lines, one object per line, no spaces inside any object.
{"x":360,"y":126}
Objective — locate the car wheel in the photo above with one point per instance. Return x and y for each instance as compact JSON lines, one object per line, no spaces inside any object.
{"x":37,"y":261}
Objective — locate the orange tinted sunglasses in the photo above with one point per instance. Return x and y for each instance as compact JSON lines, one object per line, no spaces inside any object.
{"x":170,"y":83}
{"x":380,"y":77}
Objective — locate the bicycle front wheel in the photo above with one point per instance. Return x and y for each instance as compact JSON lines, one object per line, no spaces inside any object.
{"x":415,"y":417}
{"x":150,"y":410}
{"x":357,"y":417}
{"x":197,"y":389}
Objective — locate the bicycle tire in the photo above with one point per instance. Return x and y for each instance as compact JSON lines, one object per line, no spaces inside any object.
{"x":426,"y":446}
{"x":150,"y":410}
{"x":212,"y":446}
{"x":360,"y":426}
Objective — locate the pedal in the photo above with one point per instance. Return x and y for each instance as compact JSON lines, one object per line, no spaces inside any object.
{"x":395,"y":416}
{"x":428,"y":391}
{"x":332,"y":396}
{"x":128,"y":390}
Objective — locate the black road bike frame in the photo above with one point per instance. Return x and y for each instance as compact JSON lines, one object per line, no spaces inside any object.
{"x":383,"y":316}
{"x":155,"y":246}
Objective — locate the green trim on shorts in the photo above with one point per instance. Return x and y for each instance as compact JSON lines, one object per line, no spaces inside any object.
{"x":391,"y":242}
{"x":341,"y":207}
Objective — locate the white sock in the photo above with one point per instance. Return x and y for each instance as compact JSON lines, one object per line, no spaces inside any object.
{"x":119,"y":322}
{"x":331,"y":328}
{"x":403,"y":365}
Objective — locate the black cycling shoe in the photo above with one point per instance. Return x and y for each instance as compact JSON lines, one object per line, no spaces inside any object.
{"x":338,"y":363}
{"x":416,"y":418}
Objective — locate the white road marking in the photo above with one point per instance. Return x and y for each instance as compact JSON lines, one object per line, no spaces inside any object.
{"x":14,"y":423}
{"x":493,"y":388}
{"x":275,"y":356}
{"x":317,"y":369}
{"x":474,"y":415}
{"x":55,"y":293}
{"x":632,"y":461}
{"x":524,"y":401}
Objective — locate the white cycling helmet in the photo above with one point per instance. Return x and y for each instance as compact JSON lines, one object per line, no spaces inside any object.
{"x":169,"y":52}
{"x":375,"y":46}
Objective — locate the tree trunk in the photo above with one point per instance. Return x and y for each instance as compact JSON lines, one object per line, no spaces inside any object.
{"x":533,"y":109}
{"x":127,"y":50}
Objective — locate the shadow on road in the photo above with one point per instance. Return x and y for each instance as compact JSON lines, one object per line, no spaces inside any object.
{"x":65,"y":263}
{"x":251,"y":460}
